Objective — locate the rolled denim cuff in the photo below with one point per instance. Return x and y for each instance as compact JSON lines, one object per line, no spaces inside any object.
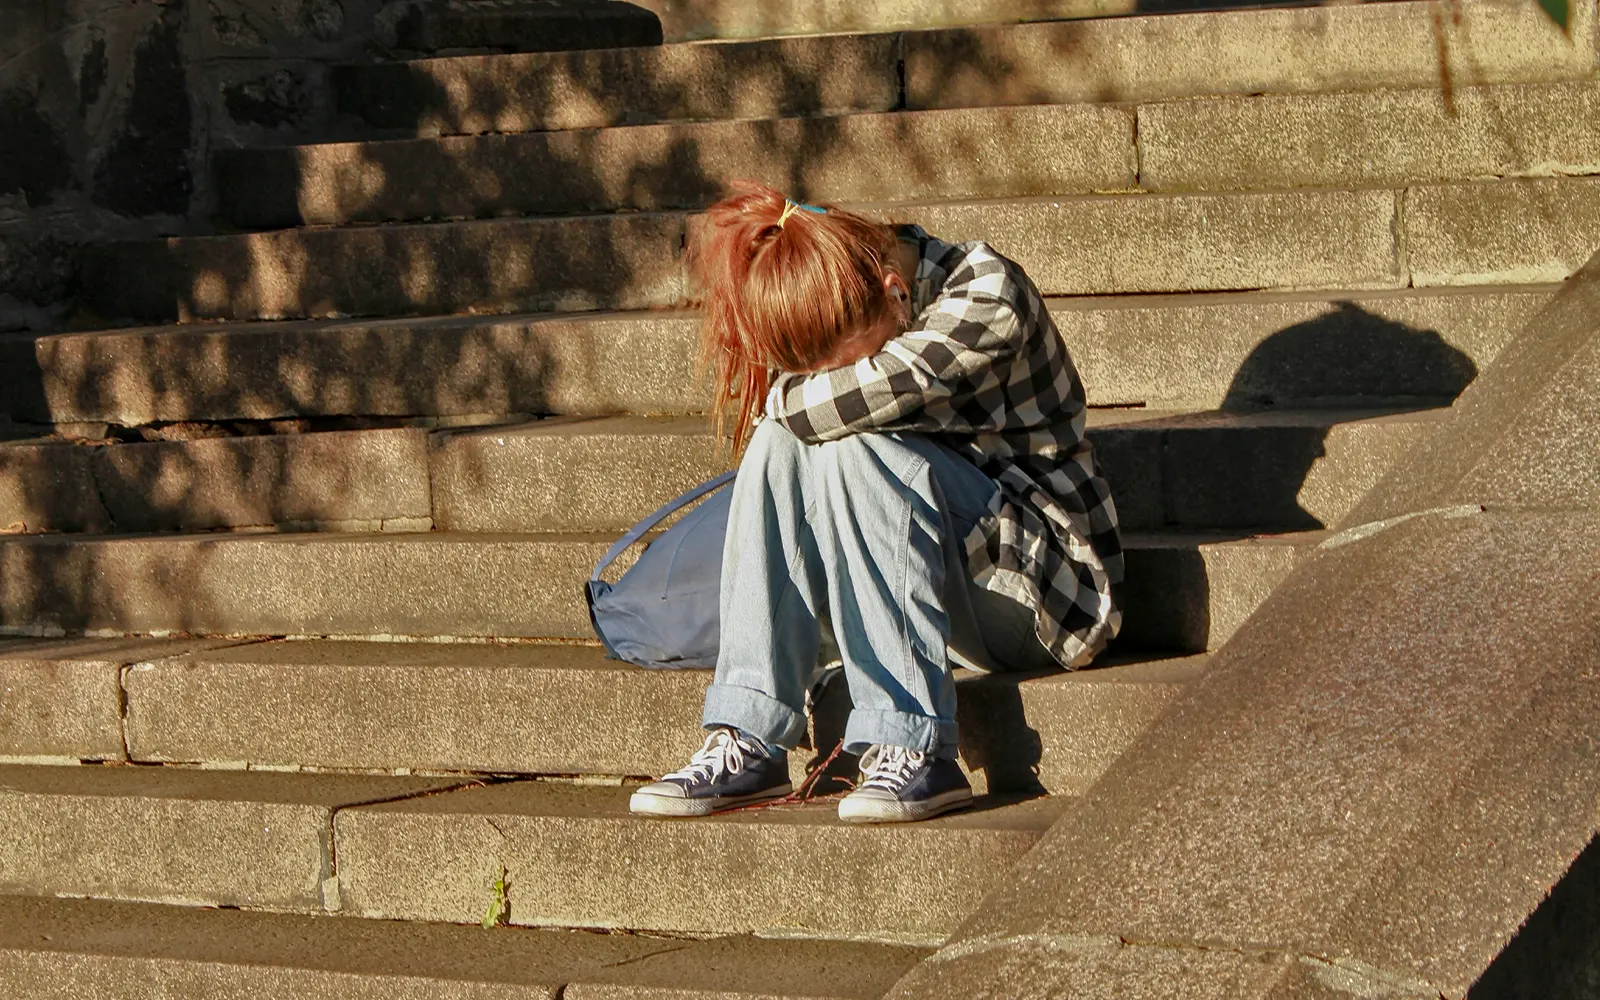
{"x":901,"y":729}
{"x":755,"y":712}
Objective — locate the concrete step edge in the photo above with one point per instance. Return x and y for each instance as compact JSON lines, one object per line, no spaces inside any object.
{"x":1207,"y":144}
{"x":382,"y":708}
{"x":132,"y":951}
{"x":1463,"y":233}
{"x":942,"y":66}
{"x":319,"y":843}
{"x":528,"y":476}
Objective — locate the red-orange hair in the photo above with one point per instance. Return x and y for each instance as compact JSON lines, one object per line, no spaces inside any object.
{"x":780,"y":297}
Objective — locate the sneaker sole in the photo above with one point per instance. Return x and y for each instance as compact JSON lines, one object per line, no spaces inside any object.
{"x":862,"y":810}
{"x":642,"y":804}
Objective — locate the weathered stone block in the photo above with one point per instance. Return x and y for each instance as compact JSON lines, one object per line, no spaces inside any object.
{"x":826,"y":74}
{"x":1159,"y":243}
{"x":531,"y":709}
{"x":1382,"y":137}
{"x":1254,"y":351}
{"x":63,"y":698}
{"x":522,"y":478}
{"x":59,"y":949}
{"x":623,"y":261}
{"x":987,"y":153}
{"x":1190,"y":593}
{"x":459,"y":366}
{"x":1505,"y":231}
{"x":578,"y":859}
{"x":315,"y":583}
{"x":197,"y":837}
{"x":1316,"y":49}
{"x":295,"y":479}
{"x":48,"y":486}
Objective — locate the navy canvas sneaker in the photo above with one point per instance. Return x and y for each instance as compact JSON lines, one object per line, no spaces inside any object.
{"x":731,"y":770}
{"x":899,"y":784}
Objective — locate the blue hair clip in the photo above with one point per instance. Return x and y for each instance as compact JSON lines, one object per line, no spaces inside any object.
{"x":790,"y":206}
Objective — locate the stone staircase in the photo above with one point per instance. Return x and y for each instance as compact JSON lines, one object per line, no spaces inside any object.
{"x":437,"y":368}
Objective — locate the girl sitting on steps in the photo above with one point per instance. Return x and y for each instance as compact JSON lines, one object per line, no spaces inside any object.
{"x":914,"y":478}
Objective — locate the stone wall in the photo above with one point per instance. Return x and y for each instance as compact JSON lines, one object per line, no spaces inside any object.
{"x":109,"y":109}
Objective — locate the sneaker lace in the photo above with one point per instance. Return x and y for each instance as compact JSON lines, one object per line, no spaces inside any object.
{"x":723,"y":751}
{"x":889,"y":768}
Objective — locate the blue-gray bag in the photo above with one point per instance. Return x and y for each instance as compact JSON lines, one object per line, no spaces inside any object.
{"x":664,"y":610}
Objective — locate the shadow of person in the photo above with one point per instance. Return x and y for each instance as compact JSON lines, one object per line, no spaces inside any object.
{"x":1349,"y":357}
{"x":1226,"y":476}
{"x":1298,"y":383}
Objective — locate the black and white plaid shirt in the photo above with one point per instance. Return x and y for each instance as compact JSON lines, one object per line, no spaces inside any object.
{"x":984,"y":368}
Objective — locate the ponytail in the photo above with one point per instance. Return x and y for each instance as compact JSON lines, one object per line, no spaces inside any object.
{"x":780,"y":284}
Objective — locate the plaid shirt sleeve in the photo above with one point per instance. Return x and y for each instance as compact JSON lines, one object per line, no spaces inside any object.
{"x":958,"y":347}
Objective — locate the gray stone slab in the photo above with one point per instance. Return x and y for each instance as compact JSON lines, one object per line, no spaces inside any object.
{"x":62,"y":698}
{"x":1298,"y":469}
{"x":1192,"y":592}
{"x":456,"y":366}
{"x":1318,"y":792}
{"x":1280,"y":469}
{"x":1099,"y":245}
{"x":309,"y":583}
{"x":159,"y":834}
{"x":576,"y":858}
{"x":1167,"y":352}
{"x":709,"y":19}
{"x":1185,"y":593}
{"x":589,"y":474}
{"x":1254,"y":350}
{"x":567,"y":710}
{"x":983,"y":153}
{"x":1359,"y":47}
{"x":1089,"y":967}
{"x":47,"y":486}
{"x":1501,"y":231}
{"x":1081,"y":245}
{"x":58,"y":949}
{"x":1380,"y":137}
{"x":499,"y":266}
{"x":535,"y":709}
{"x":569,"y":90}
{"x":367,"y":478}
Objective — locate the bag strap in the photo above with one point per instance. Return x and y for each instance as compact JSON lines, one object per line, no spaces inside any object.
{"x":666,"y":510}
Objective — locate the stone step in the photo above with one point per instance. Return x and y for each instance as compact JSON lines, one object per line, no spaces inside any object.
{"x":210,"y":838}
{"x":1005,"y":152}
{"x":1320,"y":140}
{"x":522,"y":25}
{"x":527,"y":25}
{"x":575,"y":858}
{"x":136,"y":951}
{"x":1470,"y":233}
{"x":429,"y":849}
{"x":1284,"y":469}
{"x":1115,"y":59}
{"x":1250,"y":349}
{"x":533,"y":709}
{"x":1185,"y":592}
{"x":1277,"y":470}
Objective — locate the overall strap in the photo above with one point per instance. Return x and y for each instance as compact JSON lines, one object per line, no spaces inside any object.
{"x":667,"y":509}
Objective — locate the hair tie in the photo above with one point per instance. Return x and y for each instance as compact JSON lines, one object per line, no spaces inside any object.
{"x":790,"y":207}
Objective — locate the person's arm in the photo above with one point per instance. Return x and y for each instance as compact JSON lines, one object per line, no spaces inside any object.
{"x":969,"y":335}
